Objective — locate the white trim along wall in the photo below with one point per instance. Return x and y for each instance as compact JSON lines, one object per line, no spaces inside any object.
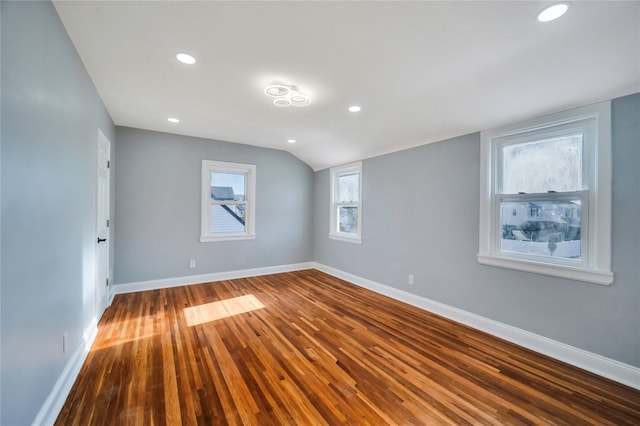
{"x":597,"y":364}
{"x":55,"y":401}
{"x":600,"y":365}
{"x":205,"y":278}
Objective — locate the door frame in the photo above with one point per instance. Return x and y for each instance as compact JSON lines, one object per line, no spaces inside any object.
{"x":101,"y":303}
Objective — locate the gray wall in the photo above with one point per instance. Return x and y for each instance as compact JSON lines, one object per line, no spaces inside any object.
{"x":50,"y":113}
{"x":421,"y":216}
{"x":50,"y":116}
{"x":157,"y":202}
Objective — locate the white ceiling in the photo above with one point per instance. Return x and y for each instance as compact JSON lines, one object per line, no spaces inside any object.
{"x":422,"y":71}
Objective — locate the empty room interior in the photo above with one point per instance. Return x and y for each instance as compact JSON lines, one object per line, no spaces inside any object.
{"x":319,"y":212}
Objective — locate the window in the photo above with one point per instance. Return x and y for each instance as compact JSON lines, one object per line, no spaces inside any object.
{"x":545,"y":195}
{"x":346,"y":203}
{"x":228,"y":201}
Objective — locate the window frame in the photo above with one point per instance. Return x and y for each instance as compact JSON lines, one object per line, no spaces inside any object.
{"x":595,"y":263}
{"x":334,"y":232}
{"x":214,"y":166}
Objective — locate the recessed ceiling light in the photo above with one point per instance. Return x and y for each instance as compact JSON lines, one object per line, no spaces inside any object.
{"x":553,"y":12}
{"x":354,"y":108}
{"x":173,"y":120}
{"x":291,"y":140}
{"x":186,"y":58}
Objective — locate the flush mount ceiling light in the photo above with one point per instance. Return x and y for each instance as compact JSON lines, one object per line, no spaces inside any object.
{"x":286,"y":96}
{"x":277,"y":90}
{"x":282,"y":102}
{"x":553,"y":12}
{"x":186,"y":58}
{"x":354,"y":108}
{"x":291,"y":140}
{"x":173,"y":120}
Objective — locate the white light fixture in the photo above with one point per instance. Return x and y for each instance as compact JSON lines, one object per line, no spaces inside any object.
{"x":173,"y":120}
{"x":553,"y":12}
{"x":286,"y":96}
{"x":282,"y":102}
{"x":354,"y":108}
{"x":277,"y":90}
{"x":291,"y":140}
{"x":186,"y":58}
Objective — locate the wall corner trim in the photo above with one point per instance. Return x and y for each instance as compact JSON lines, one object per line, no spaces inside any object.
{"x":133,"y":287}
{"x":55,"y":401}
{"x":597,"y":364}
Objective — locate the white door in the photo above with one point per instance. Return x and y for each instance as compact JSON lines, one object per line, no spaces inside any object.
{"x":102,"y":225}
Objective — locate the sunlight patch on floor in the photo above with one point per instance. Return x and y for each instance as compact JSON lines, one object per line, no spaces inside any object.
{"x":196,"y":315}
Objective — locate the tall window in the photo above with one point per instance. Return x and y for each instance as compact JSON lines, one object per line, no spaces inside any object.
{"x":228,"y":201}
{"x":346,"y":203}
{"x":546,"y":195}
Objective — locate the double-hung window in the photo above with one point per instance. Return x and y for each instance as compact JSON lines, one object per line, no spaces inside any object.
{"x":346,"y":203}
{"x":228,"y":201}
{"x":545,"y":203}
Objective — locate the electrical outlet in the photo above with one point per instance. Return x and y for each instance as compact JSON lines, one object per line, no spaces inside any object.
{"x":410,"y":279}
{"x":65,"y":342}
{"x":192,"y":263}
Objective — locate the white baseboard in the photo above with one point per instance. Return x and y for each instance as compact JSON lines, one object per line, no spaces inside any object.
{"x":53,"y":404}
{"x":606,"y":367}
{"x":55,"y":401}
{"x":598,"y":364}
{"x":205,"y":278}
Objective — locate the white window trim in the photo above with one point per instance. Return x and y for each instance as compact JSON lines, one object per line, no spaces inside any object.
{"x":596,"y":267}
{"x":334,"y":234}
{"x":209,"y":166}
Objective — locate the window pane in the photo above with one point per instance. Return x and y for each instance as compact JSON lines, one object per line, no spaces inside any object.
{"x":228,"y":186}
{"x":542,"y":228}
{"x":553,"y":164}
{"x":349,"y":187}
{"x":348,"y":219}
{"x":227,"y":219}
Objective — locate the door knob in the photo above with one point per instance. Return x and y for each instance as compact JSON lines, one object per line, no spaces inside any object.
{"x":101,"y":240}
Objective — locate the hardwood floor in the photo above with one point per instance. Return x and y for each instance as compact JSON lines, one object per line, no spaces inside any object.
{"x":305,"y":348}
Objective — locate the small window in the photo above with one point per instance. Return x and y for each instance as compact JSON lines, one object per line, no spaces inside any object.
{"x":346,"y":203}
{"x":546,"y":195}
{"x":228,"y":201}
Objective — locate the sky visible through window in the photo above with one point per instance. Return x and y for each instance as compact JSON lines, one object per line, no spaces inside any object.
{"x":233,"y":180}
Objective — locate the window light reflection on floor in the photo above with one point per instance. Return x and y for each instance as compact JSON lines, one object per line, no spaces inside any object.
{"x":196,"y":315}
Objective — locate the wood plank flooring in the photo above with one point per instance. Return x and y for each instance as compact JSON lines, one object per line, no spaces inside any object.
{"x":305,"y":348}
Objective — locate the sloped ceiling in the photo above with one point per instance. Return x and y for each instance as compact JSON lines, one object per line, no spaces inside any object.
{"x":421,"y":71}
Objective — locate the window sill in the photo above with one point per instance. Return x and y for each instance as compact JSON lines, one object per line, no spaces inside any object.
{"x":560,"y":271}
{"x":353,"y":240}
{"x":209,"y":239}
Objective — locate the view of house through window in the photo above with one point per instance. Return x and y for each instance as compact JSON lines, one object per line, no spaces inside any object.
{"x":348,"y":193}
{"x":549,"y":223}
{"x":346,"y":205}
{"x":543,"y":228}
{"x":545,"y":195}
{"x":228,"y":201}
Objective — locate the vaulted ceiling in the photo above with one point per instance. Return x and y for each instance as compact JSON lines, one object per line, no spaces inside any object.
{"x":421,"y":71}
